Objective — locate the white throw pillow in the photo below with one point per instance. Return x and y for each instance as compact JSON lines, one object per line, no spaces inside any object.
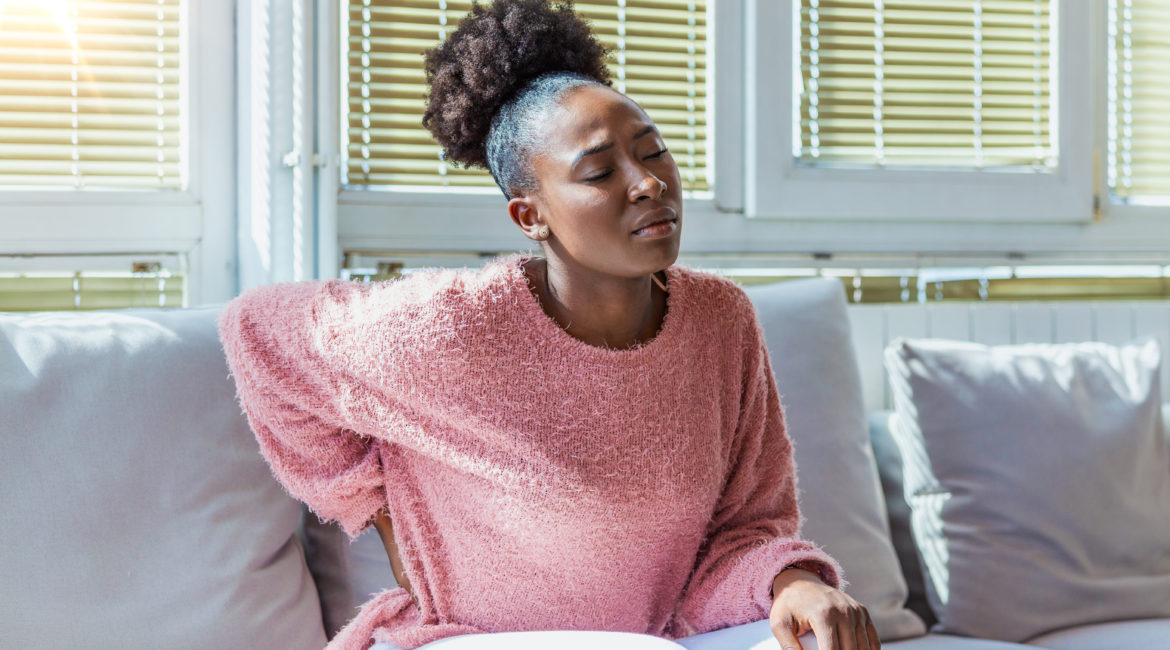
{"x":1038,"y":479}
{"x":137,"y":510}
{"x":807,"y":331}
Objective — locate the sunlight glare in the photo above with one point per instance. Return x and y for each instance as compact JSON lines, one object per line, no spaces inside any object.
{"x":58,"y":9}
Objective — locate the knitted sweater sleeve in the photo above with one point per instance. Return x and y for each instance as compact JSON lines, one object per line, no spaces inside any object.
{"x":273,"y":337}
{"x":755,"y":530}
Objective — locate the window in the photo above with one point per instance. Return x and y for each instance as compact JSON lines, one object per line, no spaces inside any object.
{"x":659,"y":59}
{"x":926,"y":84}
{"x":91,"y":95}
{"x":1139,"y":102}
{"x":116,"y":140}
{"x":915,"y":110}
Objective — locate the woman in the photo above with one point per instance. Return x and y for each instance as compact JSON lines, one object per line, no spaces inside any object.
{"x":588,"y":440}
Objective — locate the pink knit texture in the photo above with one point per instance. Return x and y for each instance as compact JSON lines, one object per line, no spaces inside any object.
{"x":535,"y":482}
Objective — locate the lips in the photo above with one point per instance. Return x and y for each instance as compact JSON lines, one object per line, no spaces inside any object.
{"x":661,"y":215}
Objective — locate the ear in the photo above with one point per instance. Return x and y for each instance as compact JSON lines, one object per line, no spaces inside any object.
{"x":525,"y":214}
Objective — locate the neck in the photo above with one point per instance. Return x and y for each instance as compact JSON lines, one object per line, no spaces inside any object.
{"x":599,"y":309}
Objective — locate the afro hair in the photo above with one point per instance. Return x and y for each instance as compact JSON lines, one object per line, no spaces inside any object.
{"x":495,"y":53}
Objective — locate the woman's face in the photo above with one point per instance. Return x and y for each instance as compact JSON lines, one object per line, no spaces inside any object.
{"x":601,"y":171}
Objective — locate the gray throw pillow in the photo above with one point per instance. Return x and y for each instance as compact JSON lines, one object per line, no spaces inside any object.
{"x":137,"y":510}
{"x":807,"y":330}
{"x":1039,"y":479}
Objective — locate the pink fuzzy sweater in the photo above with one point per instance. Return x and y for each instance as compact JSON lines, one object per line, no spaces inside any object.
{"x":535,"y":481}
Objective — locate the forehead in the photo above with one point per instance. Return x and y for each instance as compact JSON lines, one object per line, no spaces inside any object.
{"x":592,"y":115}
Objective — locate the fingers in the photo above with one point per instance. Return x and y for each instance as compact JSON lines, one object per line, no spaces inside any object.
{"x":846,"y":629}
{"x":871,"y":634}
{"x":826,"y":632}
{"x":837,"y":620}
{"x":860,"y":636}
{"x":783,"y":632}
{"x":846,"y":637}
{"x":864,"y":633}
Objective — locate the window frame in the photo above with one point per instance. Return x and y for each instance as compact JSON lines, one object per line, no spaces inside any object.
{"x":197,"y":222}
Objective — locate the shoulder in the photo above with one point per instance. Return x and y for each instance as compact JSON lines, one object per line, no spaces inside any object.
{"x":328,"y":313}
{"x":718,"y":296}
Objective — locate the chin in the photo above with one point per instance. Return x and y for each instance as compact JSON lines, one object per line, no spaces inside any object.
{"x":668,"y":257}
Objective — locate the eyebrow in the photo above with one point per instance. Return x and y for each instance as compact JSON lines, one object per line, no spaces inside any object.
{"x":609,"y":145}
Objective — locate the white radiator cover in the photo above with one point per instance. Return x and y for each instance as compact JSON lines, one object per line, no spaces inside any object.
{"x":875,"y":325}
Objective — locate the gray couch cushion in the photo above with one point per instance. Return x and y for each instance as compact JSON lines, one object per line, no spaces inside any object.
{"x":889,"y":463}
{"x":328,"y":556}
{"x":1038,"y":478}
{"x":1149,"y":634}
{"x":950,"y":642}
{"x":348,"y":572}
{"x":807,"y":331}
{"x":137,"y":510}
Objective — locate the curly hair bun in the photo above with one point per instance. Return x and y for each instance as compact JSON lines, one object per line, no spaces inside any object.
{"x":493,"y":53}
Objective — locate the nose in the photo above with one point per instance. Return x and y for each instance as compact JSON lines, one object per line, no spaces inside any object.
{"x":647,"y":187}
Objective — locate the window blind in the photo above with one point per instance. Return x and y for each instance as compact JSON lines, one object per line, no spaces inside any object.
{"x":659,"y":60}
{"x":41,"y":291}
{"x":1139,"y":98}
{"x":918,"y":83}
{"x":90,"y":94}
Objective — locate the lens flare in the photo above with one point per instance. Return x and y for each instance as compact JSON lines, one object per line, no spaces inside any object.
{"x":60,"y":11}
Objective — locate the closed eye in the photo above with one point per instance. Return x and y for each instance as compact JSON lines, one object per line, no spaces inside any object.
{"x":657,"y":154}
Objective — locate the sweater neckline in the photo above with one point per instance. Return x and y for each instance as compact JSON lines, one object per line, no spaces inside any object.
{"x":551,"y":332}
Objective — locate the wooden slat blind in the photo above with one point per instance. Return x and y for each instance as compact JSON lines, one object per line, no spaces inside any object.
{"x":660,"y":52}
{"x":919,"y":83}
{"x":1139,"y":98}
{"x":90,"y":94}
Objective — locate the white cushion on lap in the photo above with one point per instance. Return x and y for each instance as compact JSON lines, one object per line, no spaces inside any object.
{"x":549,"y":639}
{"x":1039,"y":480}
{"x":807,"y":329}
{"x":138,"y":511}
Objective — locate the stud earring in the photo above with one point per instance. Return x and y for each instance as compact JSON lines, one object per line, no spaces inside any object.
{"x":544,"y":232}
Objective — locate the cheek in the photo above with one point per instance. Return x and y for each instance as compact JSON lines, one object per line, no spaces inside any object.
{"x":590,"y":199}
{"x":582,"y":209}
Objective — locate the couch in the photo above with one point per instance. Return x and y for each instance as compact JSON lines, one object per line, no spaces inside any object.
{"x":139,"y":513}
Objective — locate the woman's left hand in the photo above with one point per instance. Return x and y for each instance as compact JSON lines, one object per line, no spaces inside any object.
{"x":802,"y":603}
